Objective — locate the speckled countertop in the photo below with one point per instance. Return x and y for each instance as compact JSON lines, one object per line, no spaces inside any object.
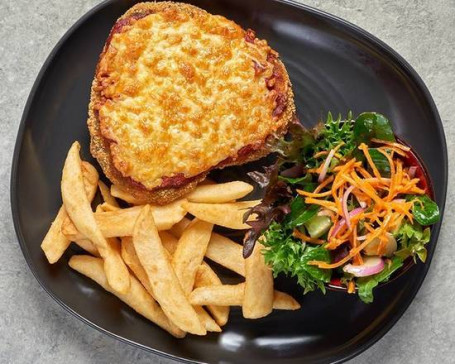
{"x":35,"y":329}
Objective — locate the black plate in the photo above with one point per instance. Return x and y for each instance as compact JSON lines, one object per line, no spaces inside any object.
{"x":333,"y":66}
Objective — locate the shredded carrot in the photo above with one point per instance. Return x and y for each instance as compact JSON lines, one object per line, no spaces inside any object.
{"x":324,"y":152}
{"x":391,"y":194}
{"x":366,"y":174}
{"x":351,"y":287}
{"x":327,"y":204}
{"x":315,"y":195}
{"x":299,"y":235}
{"x":364,"y":148}
{"x":365,"y":187}
{"x":316,"y":192}
{"x":393,"y":150}
{"x":391,"y":144}
{"x":323,"y":184}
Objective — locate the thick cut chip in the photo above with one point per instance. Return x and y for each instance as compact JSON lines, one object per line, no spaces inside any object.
{"x":55,"y":242}
{"x":229,"y":215}
{"x":221,"y":250}
{"x":227,"y":253}
{"x":232,"y":295}
{"x":283,"y":301}
{"x":206,"y":277}
{"x":137,"y":297}
{"x":121,"y":222}
{"x":165,"y":284}
{"x":106,"y":194}
{"x":219,"y":193}
{"x":190,"y":252}
{"x":124,"y":195}
{"x":88,"y":246}
{"x":78,"y":208}
{"x":132,"y":261}
{"x":258,"y":299}
{"x":178,"y":228}
{"x":169,"y":241}
{"x":224,"y":295}
{"x":207,"y":321}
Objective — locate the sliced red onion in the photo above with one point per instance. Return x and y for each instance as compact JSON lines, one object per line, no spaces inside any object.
{"x":370,"y":266}
{"x":326,"y":165}
{"x":341,"y":222}
{"x":344,"y":204}
{"x":412,"y":171}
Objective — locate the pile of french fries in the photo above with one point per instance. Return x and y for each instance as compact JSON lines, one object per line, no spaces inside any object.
{"x":153,"y":257}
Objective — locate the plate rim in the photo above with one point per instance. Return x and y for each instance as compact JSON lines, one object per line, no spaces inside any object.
{"x":390,"y":52}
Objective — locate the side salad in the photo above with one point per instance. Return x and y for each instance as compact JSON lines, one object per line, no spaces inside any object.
{"x":343,"y":200}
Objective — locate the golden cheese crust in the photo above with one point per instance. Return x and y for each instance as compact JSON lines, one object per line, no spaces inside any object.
{"x":178,"y":92}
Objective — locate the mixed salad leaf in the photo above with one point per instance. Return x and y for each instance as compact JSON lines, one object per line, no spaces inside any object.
{"x":341,"y":201}
{"x":287,"y":255}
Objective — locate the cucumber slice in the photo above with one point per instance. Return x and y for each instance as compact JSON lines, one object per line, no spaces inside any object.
{"x":318,"y":226}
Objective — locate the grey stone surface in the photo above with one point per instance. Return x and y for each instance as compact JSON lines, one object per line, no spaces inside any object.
{"x":34,"y":329}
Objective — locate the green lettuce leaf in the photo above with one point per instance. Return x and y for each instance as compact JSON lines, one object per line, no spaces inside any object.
{"x":366,"y":285}
{"x":412,"y":239}
{"x":300,"y":212}
{"x":302,"y":181}
{"x":425,"y":210}
{"x":380,"y":161}
{"x":369,"y":125}
{"x":331,"y":134}
{"x":284,"y":254}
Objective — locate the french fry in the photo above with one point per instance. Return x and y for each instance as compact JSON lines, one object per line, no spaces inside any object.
{"x":227,"y":253}
{"x":205,"y":277}
{"x":136,"y":297}
{"x":106,"y":194}
{"x":105,"y":207}
{"x":121,"y":222}
{"x":124,"y":195}
{"x":221,"y":250}
{"x":132,"y":261}
{"x":205,"y":319}
{"x":219,"y":193}
{"x":165,"y":284}
{"x":258,"y":296}
{"x":178,"y":228}
{"x":224,"y":295}
{"x":55,"y":243}
{"x":283,"y":301}
{"x":169,"y":241}
{"x":232,"y":295}
{"x":229,"y":215}
{"x":112,"y":223}
{"x":190,"y":252}
{"x":88,"y":246}
{"x":79,"y":210}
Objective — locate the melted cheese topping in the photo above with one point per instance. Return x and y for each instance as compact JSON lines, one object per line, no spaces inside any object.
{"x":181,"y":95}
